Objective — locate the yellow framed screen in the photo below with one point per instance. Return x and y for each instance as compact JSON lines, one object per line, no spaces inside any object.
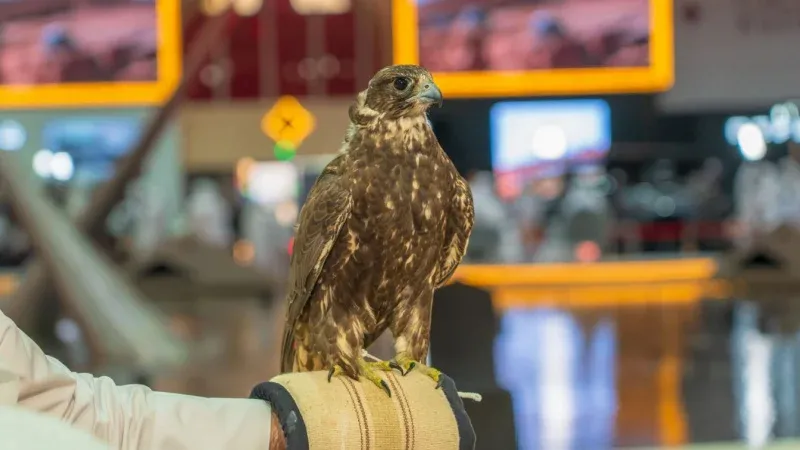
{"x":520,"y":40}
{"x":62,"y":53}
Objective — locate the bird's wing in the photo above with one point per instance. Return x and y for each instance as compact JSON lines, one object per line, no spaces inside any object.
{"x":459,"y":220}
{"x":326,"y":209}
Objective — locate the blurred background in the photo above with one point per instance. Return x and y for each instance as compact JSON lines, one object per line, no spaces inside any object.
{"x":633,"y":276}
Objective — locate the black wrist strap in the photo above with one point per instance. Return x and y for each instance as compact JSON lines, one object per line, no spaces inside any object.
{"x":284,"y":406}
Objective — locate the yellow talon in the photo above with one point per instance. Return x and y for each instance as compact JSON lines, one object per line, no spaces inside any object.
{"x":405,"y":364}
{"x":383,"y":366}
{"x":369,"y":371}
{"x":334,"y":372}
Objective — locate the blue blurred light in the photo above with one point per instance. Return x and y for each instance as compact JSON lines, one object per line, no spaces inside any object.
{"x":12,"y":135}
{"x":93,"y":143}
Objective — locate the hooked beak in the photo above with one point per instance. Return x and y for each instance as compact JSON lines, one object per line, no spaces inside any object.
{"x":430,"y":95}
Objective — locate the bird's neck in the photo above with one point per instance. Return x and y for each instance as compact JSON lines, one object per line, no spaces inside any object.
{"x":402,"y":135}
{"x":415,"y":125}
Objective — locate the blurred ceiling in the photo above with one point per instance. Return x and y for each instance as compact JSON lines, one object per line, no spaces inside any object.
{"x":279,"y":51}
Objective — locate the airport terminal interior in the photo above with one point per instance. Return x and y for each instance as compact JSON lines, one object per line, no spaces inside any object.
{"x":634,"y":167}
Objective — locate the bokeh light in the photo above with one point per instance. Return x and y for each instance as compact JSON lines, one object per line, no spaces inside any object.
{"x":284,"y":151}
{"x":244,"y":252}
{"x":61,"y":166}
{"x":751,"y":142}
{"x":12,"y":135}
{"x":41,"y":162}
{"x":587,"y":251}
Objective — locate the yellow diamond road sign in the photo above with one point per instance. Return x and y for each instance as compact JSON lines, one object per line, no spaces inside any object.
{"x":288,"y":120}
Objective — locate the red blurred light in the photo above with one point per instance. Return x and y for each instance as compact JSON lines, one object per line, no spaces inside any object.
{"x":587,"y":251}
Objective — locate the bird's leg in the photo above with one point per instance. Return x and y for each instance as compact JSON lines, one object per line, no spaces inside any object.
{"x":411,"y":329}
{"x":352,"y":363}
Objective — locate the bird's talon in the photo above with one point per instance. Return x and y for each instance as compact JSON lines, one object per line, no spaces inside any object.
{"x":404,"y":364}
{"x":393,"y":364}
{"x":435,"y":375}
{"x":385,"y":387}
{"x":404,"y":369}
{"x":409,"y":364}
{"x":370,"y":371}
{"x":334,"y":371}
{"x":383,"y":366}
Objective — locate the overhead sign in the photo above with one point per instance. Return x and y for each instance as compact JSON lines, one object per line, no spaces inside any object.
{"x":734,"y":54}
{"x":781,"y":125}
{"x":288,"y":123}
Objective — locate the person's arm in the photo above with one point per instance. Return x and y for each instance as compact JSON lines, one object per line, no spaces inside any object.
{"x":25,"y":430}
{"x":131,"y":417}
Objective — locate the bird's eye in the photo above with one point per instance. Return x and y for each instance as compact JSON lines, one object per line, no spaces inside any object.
{"x":401,"y":83}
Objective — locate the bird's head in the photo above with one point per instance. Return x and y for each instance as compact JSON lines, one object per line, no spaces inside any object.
{"x":397,"y":92}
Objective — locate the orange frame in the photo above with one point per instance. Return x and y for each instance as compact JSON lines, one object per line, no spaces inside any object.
{"x":658,"y":77}
{"x":78,"y":95}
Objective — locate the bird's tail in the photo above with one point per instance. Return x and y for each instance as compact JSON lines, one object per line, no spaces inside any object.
{"x":296,"y":357}
{"x":287,"y":352}
{"x":295,"y":354}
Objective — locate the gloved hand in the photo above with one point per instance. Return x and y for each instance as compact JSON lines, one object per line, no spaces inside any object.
{"x":316,"y":414}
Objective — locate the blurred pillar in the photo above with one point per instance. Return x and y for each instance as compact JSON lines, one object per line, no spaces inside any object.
{"x":463,"y":332}
{"x":162,"y":190}
{"x":784,"y":375}
{"x":752,"y":356}
{"x":381,"y":12}
{"x":122,"y":329}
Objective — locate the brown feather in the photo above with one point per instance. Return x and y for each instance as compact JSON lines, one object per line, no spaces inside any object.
{"x":459,"y":226}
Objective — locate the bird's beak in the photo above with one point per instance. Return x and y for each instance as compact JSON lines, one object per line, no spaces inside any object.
{"x":430,"y":94}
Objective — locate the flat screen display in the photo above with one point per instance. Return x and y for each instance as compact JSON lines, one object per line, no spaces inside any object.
{"x":88,"y":53}
{"x":93,"y":143}
{"x":531,"y":139}
{"x":479,"y":48}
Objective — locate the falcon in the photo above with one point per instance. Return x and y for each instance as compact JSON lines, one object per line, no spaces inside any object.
{"x":385,"y":224}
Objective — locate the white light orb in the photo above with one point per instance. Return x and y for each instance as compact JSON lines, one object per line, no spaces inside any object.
{"x":12,"y":135}
{"x":247,"y":7}
{"x":61,"y":166}
{"x":41,"y":162}
{"x":549,"y":142}
{"x":751,"y":142}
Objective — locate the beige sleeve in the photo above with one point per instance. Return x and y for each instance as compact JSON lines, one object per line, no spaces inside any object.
{"x":130,"y":417}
